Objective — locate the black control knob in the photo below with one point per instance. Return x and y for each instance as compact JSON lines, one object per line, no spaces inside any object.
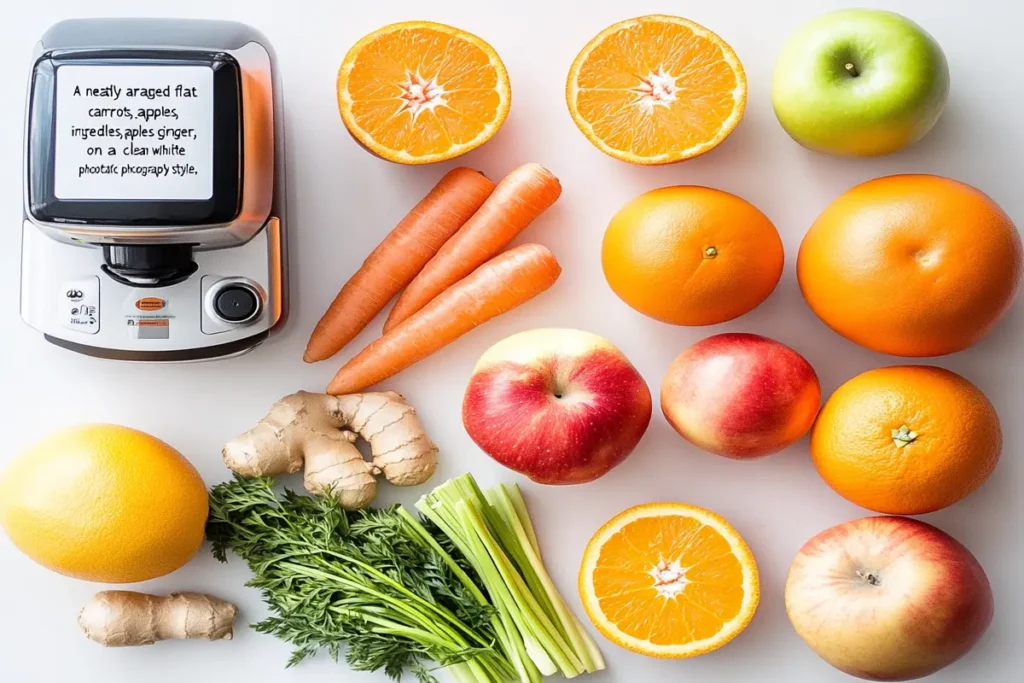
{"x":237,"y":303}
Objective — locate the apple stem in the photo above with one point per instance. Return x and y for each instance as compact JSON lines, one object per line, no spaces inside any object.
{"x":851,"y":69}
{"x":869,"y":577}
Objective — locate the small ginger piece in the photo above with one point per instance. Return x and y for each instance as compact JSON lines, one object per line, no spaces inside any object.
{"x":126,"y":618}
{"x":318,"y":432}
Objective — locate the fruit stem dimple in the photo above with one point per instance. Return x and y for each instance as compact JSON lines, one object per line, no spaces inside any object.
{"x":869,"y":577}
{"x":710,"y":252}
{"x":851,"y":69}
{"x":903,"y":436}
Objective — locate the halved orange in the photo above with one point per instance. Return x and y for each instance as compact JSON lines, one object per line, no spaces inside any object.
{"x":669,"y":580}
{"x":656,"y":90}
{"x":419,"y":92}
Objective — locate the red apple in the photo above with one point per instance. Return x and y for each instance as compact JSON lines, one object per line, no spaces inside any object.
{"x":560,"y":406}
{"x":740,"y":395}
{"x":888,"y":598}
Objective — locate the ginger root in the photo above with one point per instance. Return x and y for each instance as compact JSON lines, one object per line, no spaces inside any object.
{"x":319,"y":432}
{"x":125,"y":618}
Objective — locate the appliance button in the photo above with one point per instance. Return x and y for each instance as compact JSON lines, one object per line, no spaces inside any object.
{"x":237,"y":303}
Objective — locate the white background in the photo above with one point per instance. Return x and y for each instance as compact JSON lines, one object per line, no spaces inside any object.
{"x":343,"y":201}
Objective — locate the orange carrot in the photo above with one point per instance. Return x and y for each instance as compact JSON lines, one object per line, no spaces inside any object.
{"x":496,"y":287}
{"x":524,"y":194}
{"x":397,"y":259}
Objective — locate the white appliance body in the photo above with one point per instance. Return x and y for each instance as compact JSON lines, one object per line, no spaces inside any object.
{"x":66,"y":296}
{"x":67,"y":290}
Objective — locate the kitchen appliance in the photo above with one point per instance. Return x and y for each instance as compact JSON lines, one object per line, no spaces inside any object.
{"x":154,"y":203}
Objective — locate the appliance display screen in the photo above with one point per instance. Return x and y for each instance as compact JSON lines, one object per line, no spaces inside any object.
{"x":133,"y":132}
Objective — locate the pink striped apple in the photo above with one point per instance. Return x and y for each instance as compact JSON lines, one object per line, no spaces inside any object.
{"x":888,"y":598}
{"x":740,"y":395}
{"x":560,"y":406}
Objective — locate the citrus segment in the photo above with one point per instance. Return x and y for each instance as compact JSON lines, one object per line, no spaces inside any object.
{"x":656,"y":89}
{"x":669,"y":580}
{"x":419,"y":92}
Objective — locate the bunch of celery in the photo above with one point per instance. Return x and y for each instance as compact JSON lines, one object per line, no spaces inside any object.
{"x":493,"y":530}
{"x":373,"y":583}
{"x":464,"y":589}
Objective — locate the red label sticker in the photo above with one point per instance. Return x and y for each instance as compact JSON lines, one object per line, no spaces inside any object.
{"x":150,"y":303}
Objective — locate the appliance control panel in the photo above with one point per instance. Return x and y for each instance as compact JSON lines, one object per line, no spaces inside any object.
{"x":235,"y":296}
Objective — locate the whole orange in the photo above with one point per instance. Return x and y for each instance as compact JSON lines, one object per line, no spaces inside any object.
{"x":911,"y":265}
{"x":104,"y":503}
{"x":692,"y":255}
{"x":906,"y":440}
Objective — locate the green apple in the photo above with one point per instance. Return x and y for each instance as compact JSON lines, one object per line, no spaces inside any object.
{"x":859,"y":82}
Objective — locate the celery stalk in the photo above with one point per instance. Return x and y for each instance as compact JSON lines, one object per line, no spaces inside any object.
{"x":531,"y":618}
{"x":502,"y":594}
{"x":501,"y":629}
{"x":447,"y":502}
{"x":493,"y":530}
{"x":444,"y":504}
{"x":593,"y":651}
{"x":519,"y":503}
{"x":441,"y":513}
{"x":513,"y":538}
{"x":509,"y":501}
{"x":512,"y":497}
{"x":532,"y":567}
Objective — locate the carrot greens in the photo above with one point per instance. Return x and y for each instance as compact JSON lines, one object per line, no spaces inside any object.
{"x":463,"y":589}
{"x":365,"y":581}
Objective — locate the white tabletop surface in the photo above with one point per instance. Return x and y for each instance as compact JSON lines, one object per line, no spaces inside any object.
{"x":342,"y":201}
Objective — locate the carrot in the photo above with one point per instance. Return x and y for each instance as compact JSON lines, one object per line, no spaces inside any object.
{"x":398,"y":258}
{"x":524,"y":194}
{"x":496,"y":287}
